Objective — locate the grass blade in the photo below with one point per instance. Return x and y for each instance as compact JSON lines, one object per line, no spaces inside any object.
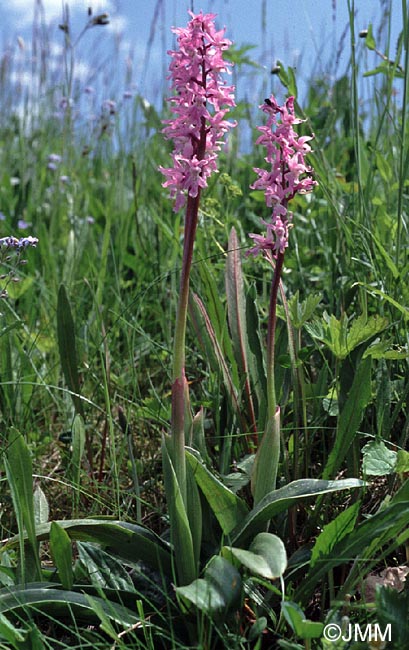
{"x":67,"y":348}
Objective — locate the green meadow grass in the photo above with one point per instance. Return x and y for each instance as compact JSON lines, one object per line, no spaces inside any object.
{"x":93,"y":311}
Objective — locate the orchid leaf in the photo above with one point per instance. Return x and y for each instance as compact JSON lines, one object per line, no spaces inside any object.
{"x":104,"y":570}
{"x":61,"y":552}
{"x":265,"y":557}
{"x":227,"y":507}
{"x":130,"y":542}
{"x":301,"y":626}
{"x":217,"y":591}
{"x":68,"y":349}
{"x":181,"y":534}
{"x":61,"y":603}
{"x":279,"y":500}
{"x":333,"y":532}
{"x":19,"y":473}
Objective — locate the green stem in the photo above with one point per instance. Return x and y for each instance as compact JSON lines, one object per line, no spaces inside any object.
{"x":179,"y":385}
{"x":268,"y":454}
{"x":272,"y":322}
{"x":192,"y":209}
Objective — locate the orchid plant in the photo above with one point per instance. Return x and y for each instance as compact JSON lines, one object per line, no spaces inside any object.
{"x":289,"y":175}
{"x":199,"y":106}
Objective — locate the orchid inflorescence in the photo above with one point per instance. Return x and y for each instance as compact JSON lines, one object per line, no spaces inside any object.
{"x":200,"y":104}
{"x":289,"y":174}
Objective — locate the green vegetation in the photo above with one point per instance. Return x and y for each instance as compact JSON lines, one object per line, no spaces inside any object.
{"x":86,"y":341}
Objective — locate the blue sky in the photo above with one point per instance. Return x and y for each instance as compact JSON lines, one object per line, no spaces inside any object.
{"x":302,"y":33}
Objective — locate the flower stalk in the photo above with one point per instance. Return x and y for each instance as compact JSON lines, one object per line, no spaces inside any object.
{"x":200,"y":102}
{"x":289,"y":175}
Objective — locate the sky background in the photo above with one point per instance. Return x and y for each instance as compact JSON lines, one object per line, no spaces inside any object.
{"x":311,"y":35}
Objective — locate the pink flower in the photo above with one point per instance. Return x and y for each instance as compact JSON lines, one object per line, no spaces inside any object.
{"x":289,"y":174}
{"x":199,"y":106}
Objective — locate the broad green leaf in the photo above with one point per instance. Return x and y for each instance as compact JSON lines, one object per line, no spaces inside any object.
{"x":129,"y":542}
{"x":266,"y":556}
{"x":264,"y":475}
{"x":333,"y":532}
{"x":392,"y":608}
{"x":302,"y":627}
{"x":363,"y":329}
{"x":257,"y":629}
{"x":7,"y":574}
{"x":227,"y":507}
{"x":279,"y":500}
{"x":300,"y":312}
{"x":350,"y":418}
{"x":340,"y":338}
{"x":19,"y":474}
{"x":61,"y":604}
{"x":402,"y":462}
{"x":67,"y":348}
{"x":384,"y":350}
{"x":103,"y":569}
{"x":378,"y":460}
{"x":61,"y":552}
{"x":217,"y":591}
{"x":181,"y":535}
